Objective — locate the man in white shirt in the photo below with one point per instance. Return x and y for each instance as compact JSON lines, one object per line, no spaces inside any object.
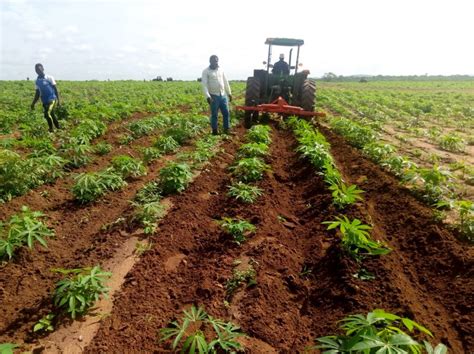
{"x":216,"y":89}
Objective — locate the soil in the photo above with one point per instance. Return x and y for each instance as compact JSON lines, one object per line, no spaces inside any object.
{"x":85,"y":235}
{"x":305,"y":283}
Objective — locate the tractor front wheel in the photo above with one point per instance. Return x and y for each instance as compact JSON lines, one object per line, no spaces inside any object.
{"x":252,"y":97}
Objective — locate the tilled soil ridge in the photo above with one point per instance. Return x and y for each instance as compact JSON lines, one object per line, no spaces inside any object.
{"x":305,"y":284}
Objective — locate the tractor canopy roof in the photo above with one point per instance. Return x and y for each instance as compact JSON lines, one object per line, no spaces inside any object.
{"x":284,"y":41}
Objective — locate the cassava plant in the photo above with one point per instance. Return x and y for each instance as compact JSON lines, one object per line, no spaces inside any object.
{"x":378,"y":332}
{"x":24,"y":228}
{"x":239,"y":229}
{"x":82,"y":287}
{"x":175,"y":177}
{"x":356,"y":238}
{"x":199,"y":332}
{"x":244,"y":192}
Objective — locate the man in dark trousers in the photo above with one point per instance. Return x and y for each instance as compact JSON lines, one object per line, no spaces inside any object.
{"x":46,"y":88}
{"x":216,"y":89}
{"x":281,"y":67}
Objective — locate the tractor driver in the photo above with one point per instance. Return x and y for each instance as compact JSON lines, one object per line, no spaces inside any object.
{"x":281,"y":66}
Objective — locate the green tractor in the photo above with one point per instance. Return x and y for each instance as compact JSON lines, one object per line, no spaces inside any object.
{"x":266,"y":89}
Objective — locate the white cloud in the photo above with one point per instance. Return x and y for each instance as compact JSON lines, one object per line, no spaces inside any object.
{"x":109,"y":38}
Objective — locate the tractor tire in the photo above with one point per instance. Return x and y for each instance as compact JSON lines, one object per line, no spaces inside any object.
{"x":252,"y":97}
{"x":308,"y":95}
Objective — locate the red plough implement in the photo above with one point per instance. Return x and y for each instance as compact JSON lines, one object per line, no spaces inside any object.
{"x":282,"y":107}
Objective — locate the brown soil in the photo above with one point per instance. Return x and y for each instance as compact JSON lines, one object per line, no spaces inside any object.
{"x":26,"y":282}
{"x":427,"y":276}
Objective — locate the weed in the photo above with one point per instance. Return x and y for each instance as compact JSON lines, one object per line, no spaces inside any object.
{"x":23,"y":229}
{"x":244,"y":192}
{"x":142,"y":247}
{"x":356,"y":239}
{"x":378,"y":332}
{"x":44,"y":325}
{"x":237,"y":228}
{"x":175,"y":177}
{"x":190,"y":333}
{"x":78,"y":292}
{"x":239,"y":277}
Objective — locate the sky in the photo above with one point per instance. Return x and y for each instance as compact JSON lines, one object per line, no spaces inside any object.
{"x":141,"y":39}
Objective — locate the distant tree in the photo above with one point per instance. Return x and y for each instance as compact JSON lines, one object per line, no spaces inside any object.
{"x":199,"y":79}
{"x":158,"y":78}
{"x":329,"y":76}
{"x":363,"y":80}
{"x":169,"y":79}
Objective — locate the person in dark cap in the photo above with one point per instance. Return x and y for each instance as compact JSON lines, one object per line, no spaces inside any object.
{"x":281,"y":66}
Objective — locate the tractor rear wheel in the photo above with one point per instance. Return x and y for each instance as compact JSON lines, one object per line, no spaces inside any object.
{"x":308,"y":95}
{"x":252,"y":97}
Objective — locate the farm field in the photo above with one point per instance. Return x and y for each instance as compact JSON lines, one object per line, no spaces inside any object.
{"x":423,"y":132}
{"x":248,"y":226}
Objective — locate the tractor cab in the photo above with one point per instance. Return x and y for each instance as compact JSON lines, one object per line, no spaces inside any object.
{"x":276,"y":91}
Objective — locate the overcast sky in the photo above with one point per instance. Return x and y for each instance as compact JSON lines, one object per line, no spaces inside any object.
{"x":137,"y":39}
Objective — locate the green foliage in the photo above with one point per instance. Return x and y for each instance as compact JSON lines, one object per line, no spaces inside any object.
{"x":436,"y":183}
{"x":239,"y":277}
{"x":244,"y":192}
{"x":23,"y":229}
{"x":356,"y":239}
{"x":148,"y":215}
{"x":175,"y":177}
{"x":357,"y":134}
{"x":259,"y":134}
{"x":191,"y":333}
{"x":92,"y":185}
{"x":150,"y":154}
{"x":452,"y":142}
{"x":102,"y":148}
{"x":128,"y":167}
{"x":45,"y":325}
{"x":379,"y":332}
{"x":466,"y":218}
{"x":179,"y":134}
{"x":8,"y":348}
{"x":80,"y":290}
{"x":237,"y":228}
{"x":249,"y":169}
{"x":166,"y":144}
{"x":378,"y":152}
{"x":151,"y":192}
{"x":253,"y":150}
{"x":343,"y":195}
{"x":76,"y":153}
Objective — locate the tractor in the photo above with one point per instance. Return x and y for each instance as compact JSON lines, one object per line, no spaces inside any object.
{"x":286,"y":94}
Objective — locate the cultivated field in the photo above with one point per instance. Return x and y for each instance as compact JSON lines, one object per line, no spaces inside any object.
{"x":278,"y":232}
